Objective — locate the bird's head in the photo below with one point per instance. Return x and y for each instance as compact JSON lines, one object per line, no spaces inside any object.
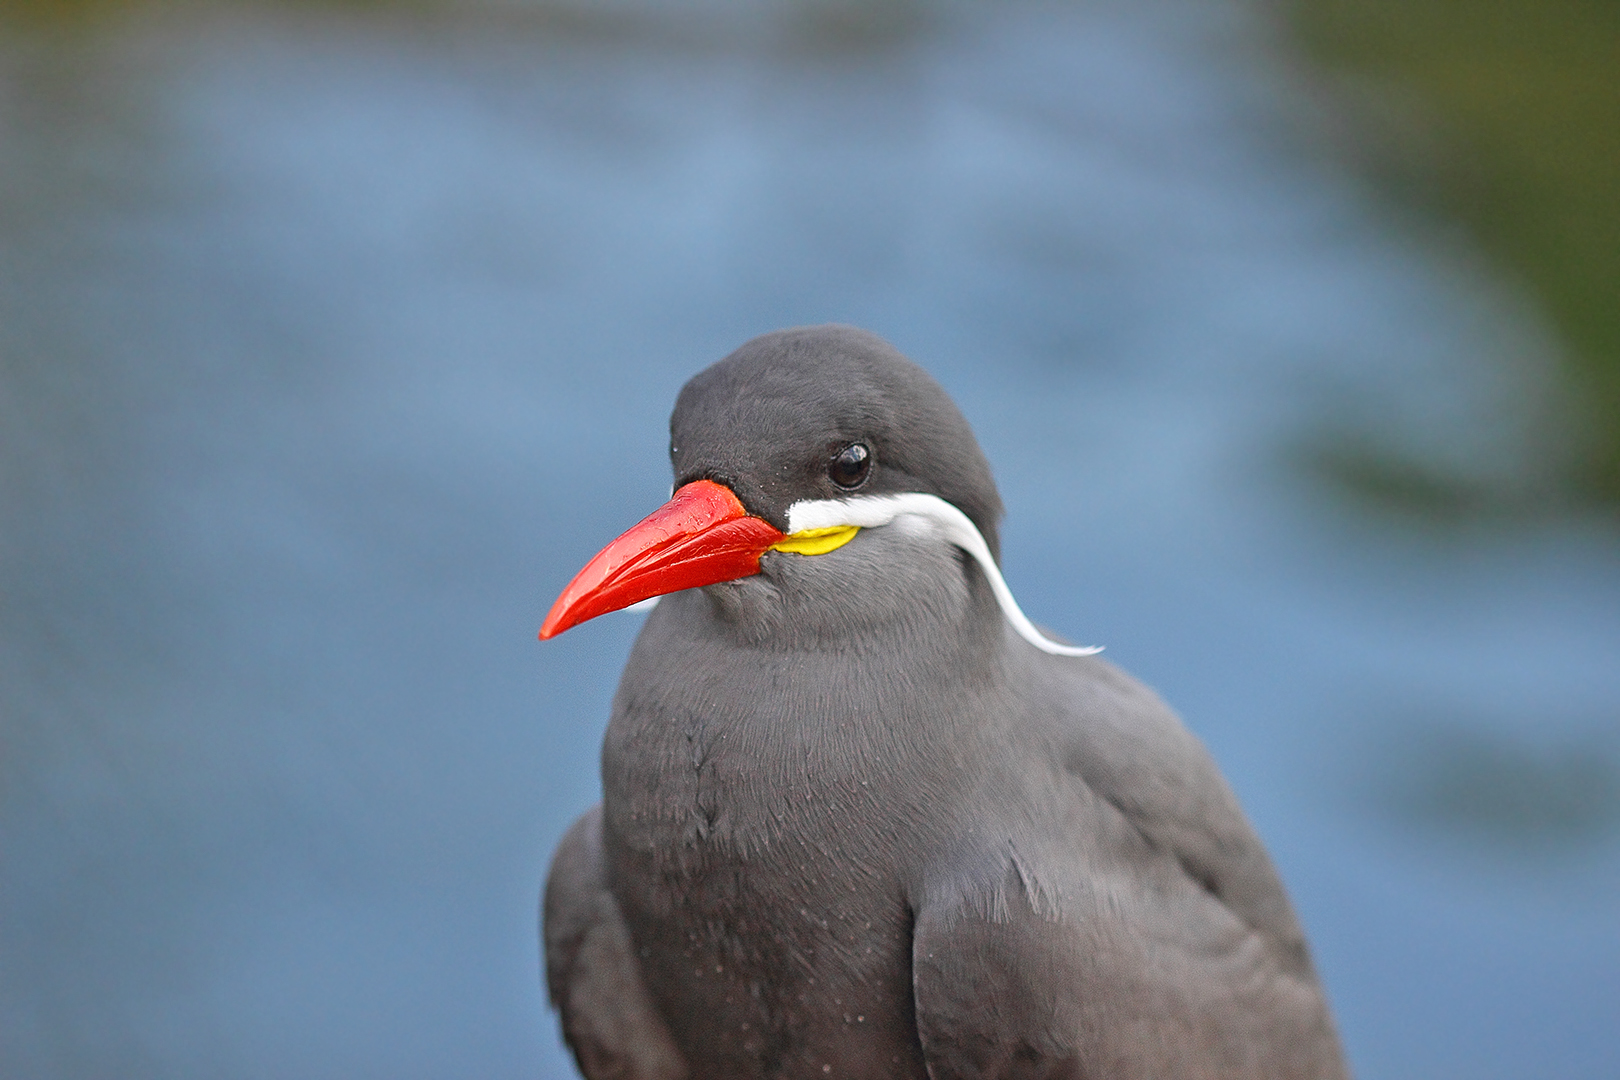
{"x":793,"y":444}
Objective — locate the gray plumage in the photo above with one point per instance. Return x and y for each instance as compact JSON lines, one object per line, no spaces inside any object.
{"x":854,"y":826}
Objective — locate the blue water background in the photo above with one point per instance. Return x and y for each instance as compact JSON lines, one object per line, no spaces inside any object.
{"x":333,"y":341}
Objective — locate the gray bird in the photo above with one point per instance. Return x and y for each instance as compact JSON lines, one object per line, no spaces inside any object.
{"x":860,"y":818}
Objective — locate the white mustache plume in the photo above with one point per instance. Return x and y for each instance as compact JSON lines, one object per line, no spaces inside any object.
{"x":875,"y":511}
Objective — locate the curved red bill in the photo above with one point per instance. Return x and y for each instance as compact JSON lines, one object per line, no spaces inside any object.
{"x":700,"y":537}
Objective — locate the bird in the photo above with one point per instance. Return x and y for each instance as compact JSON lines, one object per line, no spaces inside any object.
{"x":860,"y":817}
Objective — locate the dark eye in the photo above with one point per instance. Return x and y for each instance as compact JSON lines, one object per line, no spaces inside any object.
{"x":851,"y":465}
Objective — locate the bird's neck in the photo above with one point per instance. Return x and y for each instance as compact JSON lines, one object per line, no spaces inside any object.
{"x":723,"y":738}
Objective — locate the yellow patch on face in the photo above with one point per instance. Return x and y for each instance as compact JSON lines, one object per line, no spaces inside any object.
{"x":817,"y":541}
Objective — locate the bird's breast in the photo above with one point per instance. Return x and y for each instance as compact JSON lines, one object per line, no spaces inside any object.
{"x":769,"y":915}
{"x":764,"y":831}
{"x":781,"y":950}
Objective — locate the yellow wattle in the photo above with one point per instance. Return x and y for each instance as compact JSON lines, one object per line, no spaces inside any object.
{"x":817,"y":541}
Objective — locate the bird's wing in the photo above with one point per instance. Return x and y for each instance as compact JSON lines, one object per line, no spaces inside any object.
{"x":1126,"y":922}
{"x":1128,"y":995}
{"x":595,"y":981}
{"x":1133,"y":753}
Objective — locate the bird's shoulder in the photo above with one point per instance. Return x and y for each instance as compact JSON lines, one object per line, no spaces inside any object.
{"x":1127,"y":921}
{"x":1139,"y":761}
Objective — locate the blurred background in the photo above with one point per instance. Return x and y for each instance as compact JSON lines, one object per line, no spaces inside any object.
{"x":334,"y":337}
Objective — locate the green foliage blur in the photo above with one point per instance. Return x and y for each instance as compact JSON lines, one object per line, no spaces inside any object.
{"x":1503,"y":115}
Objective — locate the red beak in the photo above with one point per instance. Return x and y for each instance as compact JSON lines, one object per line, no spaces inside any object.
{"x":700,"y":537}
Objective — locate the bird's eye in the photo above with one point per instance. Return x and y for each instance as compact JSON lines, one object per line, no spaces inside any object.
{"x":850,"y":466}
